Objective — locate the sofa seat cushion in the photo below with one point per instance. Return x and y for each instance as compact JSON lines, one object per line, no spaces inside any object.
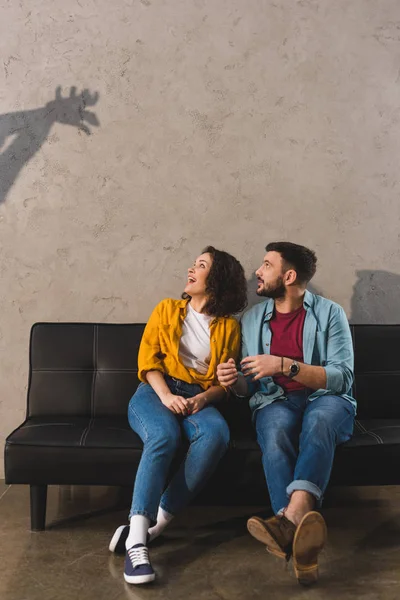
{"x":105,"y":451}
{"x":374,"y":432}
{"x":102,"y":451}
{"x":50,"y":432}
{"x":368,"y":458}
{"x":76,"y":432}
{"x":112,"y":433}
{"x":115,"y":432}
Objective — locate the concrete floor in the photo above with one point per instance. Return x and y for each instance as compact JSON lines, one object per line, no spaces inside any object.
{"x":206,"y":553}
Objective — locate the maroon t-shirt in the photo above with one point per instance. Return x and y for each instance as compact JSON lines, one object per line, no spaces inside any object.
{"x":287,"y":341}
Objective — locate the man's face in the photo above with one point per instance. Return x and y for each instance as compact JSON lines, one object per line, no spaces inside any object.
{"x":270,"y":277}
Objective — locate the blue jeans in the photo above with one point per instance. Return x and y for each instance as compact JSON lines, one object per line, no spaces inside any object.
{"x":298,"y":440}
{"x":161,"y":431}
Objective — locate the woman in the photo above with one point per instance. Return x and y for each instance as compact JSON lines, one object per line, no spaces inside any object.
{"x":182,"y":344}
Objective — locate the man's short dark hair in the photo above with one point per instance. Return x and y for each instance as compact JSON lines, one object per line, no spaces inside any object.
{"x":296,"y":257}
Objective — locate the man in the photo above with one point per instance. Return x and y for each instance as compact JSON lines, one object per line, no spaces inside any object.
{"x":297,"y":365}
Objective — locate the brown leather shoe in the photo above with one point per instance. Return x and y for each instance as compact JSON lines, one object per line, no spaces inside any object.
{"x":277,"y":533}
{"x":309,"y":540}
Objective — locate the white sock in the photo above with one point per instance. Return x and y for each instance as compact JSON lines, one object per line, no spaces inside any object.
{"x":163,"y":518}
{"x":139,"y":527}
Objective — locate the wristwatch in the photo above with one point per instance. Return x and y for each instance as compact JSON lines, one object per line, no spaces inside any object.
{"x":294,"y":369}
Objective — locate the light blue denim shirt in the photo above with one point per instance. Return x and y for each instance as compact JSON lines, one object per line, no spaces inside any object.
{"x":326,"y":342}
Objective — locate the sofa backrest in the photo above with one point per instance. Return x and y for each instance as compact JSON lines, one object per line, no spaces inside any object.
{"x":377,"y":370}
{"x":82,"y":369}
{"x":87,"y":369}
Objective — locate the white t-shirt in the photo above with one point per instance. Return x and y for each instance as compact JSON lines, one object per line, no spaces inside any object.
{"x":194,"y":347}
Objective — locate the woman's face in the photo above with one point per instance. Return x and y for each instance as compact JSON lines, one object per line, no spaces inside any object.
{"x":197,"y":275}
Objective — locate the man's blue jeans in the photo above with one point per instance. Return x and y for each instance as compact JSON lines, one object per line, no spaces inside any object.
{"x":298,"y":440}
{"x":161,"y":431}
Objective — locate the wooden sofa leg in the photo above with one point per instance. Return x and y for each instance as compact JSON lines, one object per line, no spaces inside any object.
{"x":38,"y":507}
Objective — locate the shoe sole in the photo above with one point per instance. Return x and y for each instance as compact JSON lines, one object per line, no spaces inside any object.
{"x":309,"y":540}
{"x":132,"y":579}
{"x":117,"y":544}
{"x":257,"y":529}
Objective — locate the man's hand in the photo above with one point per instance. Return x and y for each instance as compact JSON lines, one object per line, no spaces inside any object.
{"x":196,"y":404}
{"x":227,"y":373}
{"x":176,"y":404}
{"x":262,"y":365}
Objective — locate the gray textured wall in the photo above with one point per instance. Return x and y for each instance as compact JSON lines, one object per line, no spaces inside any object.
{"x":230,"y":122}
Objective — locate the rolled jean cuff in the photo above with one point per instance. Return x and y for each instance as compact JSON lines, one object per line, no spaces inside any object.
{"x":305,"y":486}
{"x":143,"y":513}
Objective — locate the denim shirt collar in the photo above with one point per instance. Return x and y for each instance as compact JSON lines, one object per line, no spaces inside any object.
{"x":308,"y":301}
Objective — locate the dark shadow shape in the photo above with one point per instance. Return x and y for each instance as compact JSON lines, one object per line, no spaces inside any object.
{"x":371,"y":554}
{"x":234,"y":526}
{"x":32,"y":127}
{"x":385,"y":535}
{"x":198,"y":542}
{"x":66,"y":522}
{"x":376,"y":298}
{"x":78,"y":507}
{"x":349,"y":497}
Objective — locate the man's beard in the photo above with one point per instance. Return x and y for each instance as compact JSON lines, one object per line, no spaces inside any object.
{"x":277,"y":291}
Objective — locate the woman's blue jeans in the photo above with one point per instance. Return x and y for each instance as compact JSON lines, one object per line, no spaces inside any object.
{"x":298,"y":440}
{"x":162,"y":431}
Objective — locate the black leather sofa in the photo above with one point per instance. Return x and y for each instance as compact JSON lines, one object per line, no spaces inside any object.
{"x":76,"y":430}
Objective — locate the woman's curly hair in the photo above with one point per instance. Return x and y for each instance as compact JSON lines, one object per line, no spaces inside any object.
{"x":226,"y":285}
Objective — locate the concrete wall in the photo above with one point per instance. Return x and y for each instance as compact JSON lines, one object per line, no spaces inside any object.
{"x":229,"y":122}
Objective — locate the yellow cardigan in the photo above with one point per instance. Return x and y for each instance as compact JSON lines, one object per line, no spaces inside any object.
{"x":159,"y":348}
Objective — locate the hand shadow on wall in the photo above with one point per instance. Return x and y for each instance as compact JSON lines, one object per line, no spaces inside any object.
{"x":31,"y":129}
{"x":376,"y":298}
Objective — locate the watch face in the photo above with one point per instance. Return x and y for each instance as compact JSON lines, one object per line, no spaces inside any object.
{"x":294,"y":369}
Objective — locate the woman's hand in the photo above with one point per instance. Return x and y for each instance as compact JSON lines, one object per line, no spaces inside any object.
{"x":227,"y":373}
{"x":196,"y":404}
{"x":176,"y":404}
